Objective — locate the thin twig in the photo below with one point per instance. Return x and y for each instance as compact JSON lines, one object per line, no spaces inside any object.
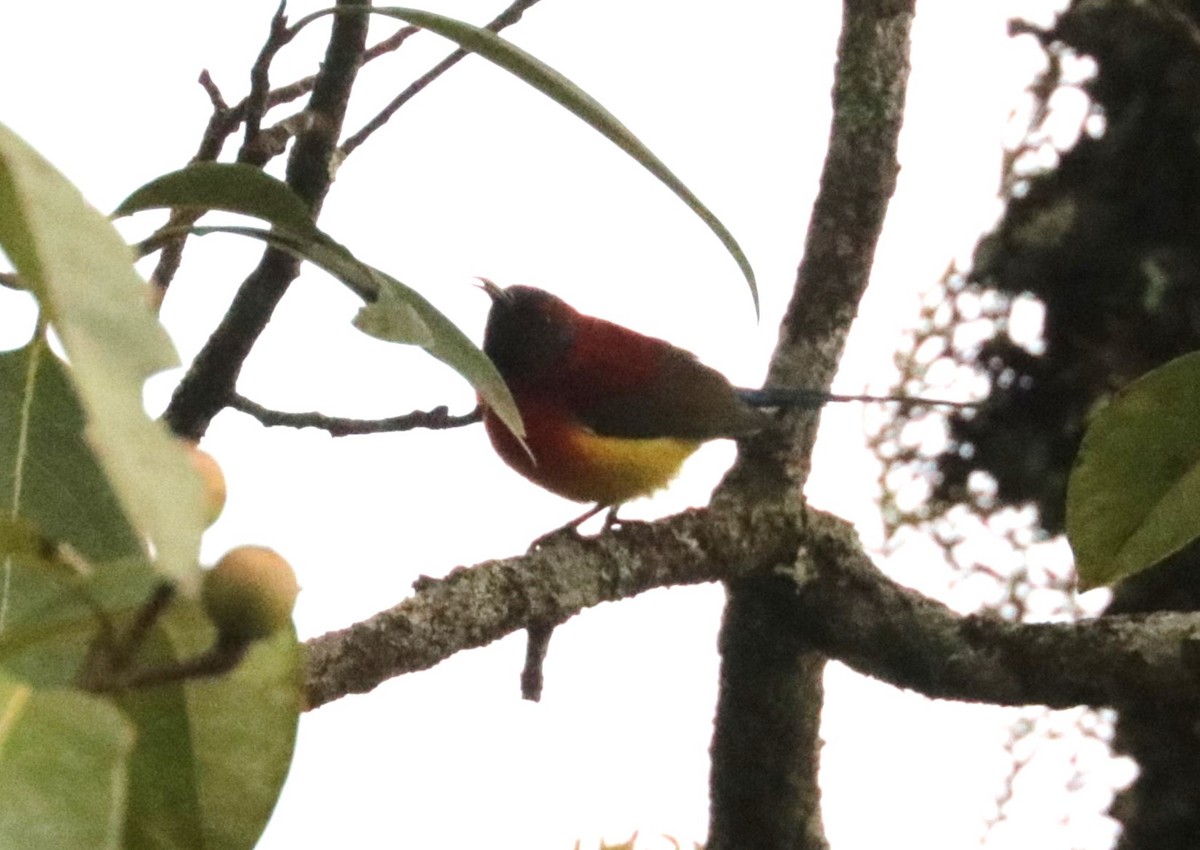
{"x":220,"y":659}
{"x":438,"y":419}
{"x":256,"y":102}
{"x":210,"y":381}
{"x":390,"y":43}
{"x":537,"y":644}
{"x":149,"y":614}
{"x":221,"y":125}
{"x":506,"y":18}
{"x":224,"y":122}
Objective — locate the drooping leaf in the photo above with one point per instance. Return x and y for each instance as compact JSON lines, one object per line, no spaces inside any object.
{"x":392,"y":319}
{"x":558,"y":88}
{"x":398,"y":311}
{"x":82,"y":275}
{"x":64,"y":762}
{"x":1134,"y":494}
{"x":229,"y":186}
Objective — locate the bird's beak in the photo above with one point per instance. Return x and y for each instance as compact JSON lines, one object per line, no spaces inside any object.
{"x":496,"y":293}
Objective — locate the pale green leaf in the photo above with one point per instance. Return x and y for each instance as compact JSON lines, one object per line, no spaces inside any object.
{"x":445,"y":341}
{"x":393,"y":320}
{"x":82,"y":275}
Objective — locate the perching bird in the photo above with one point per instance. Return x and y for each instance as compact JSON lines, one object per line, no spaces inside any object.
{"x":610,"y":414}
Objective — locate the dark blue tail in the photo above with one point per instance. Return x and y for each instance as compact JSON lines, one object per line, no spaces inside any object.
{"x":798,"y":399}
{"x":779,"y":397}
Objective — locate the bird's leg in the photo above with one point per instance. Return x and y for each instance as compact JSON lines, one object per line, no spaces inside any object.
{"x":571,"y":527}
{"x":588,"y":514}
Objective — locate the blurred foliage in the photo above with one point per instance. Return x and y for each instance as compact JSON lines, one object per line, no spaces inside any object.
{"x":1106,"y":242}
{"x":1098,"y":241}
{"x":121,"y":725}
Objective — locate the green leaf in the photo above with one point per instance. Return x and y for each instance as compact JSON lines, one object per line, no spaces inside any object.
{"x":48,"y":473}
{"x":396,"y":313}
{"x":392,"y":319}
{"x":558,"y":88}
{"x":211,"y":754}
{"x":1134,"y":494}
{"x":233,"y":187}
{"x":20,"y":538}
{"x":82,"y":275}
{"x":51,"y":621}
{"x":64,"y":761}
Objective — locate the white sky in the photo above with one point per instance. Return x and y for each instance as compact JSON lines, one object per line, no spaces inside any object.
{"x":481,"y":176}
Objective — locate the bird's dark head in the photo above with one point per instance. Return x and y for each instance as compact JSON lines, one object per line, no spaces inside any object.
{"x":529,"y":331}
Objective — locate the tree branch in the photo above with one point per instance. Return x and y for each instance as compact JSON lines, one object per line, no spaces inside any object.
{"x":765,"y":795}
{"x":438,"y":419}
{"x":829,"y":596}
{"x":208,"y":384}
{"x":255,"y":106}
{"x":222,"y":124}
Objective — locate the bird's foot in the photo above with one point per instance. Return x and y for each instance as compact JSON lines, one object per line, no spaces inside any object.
{"x":571,"y":529}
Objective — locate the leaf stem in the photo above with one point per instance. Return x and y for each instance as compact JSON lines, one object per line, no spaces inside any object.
{"x":36,"y":347}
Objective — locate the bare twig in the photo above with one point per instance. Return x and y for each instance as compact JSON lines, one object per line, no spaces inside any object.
{"x":208,"y":384}
{"x":438,"y":419}
{"x":214,"y":92}
{"x":537,"y":644}
{"x":223,"y":657}
{"x":222,"y":124}
{"x":256,"y":102}
{"x":506,"y":18}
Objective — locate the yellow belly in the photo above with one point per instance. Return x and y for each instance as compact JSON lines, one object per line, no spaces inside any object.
{"x":578,"y":464}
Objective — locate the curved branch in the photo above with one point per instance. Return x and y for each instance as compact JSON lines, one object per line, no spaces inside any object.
{"x":473,"y":606}
{"x":831,"y":597}
{"x":849,"y":610}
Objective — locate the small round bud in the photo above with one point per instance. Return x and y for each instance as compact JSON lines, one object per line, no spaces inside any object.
{"x":250,"y":593}
{"x":212,"y":478}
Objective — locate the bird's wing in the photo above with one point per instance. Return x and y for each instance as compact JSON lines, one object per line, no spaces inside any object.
{"x":658,"y":390}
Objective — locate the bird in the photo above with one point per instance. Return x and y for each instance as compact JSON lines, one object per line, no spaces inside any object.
{"x":610,"y":414}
